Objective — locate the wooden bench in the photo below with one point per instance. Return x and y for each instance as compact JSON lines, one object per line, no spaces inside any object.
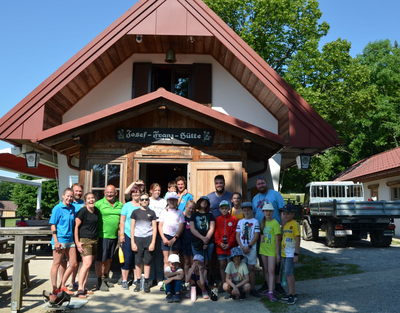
{"x":4,"y":243}
{"x":35,"y":240}
{"x":7,"y":262}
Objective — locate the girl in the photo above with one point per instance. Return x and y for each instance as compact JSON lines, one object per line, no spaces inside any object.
{"x":269,"y":249}
{"x":197,"y":276}
{"x":125,"y":234}
{"x":186,"y":249}
{"x":170,"y":227}
{"x":62,"y":223}
{"x":237,"y":206}
{"x":202,"y":226}
{"x":237,"y":281}
{"x":86,"y":239}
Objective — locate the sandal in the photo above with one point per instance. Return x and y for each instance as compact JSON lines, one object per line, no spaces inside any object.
{"x":81,"y":294}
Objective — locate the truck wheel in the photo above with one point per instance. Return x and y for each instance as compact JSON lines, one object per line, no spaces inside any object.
{"x":331,"y":240}
{"x":310,"y":232}
{"x":379,"y":240}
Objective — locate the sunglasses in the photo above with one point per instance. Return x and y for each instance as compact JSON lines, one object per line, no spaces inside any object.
{"x":144,"y":199}
{"x":259,"y":177}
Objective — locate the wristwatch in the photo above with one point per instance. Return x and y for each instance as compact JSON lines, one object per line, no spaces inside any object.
{"x":296,"y":254}
{"x":250,"y":246}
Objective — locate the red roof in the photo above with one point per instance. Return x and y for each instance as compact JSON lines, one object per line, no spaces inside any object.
{"x":371,"y":168}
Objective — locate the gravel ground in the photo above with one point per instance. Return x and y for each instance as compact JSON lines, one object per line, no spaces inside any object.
{"x":375,"y":290}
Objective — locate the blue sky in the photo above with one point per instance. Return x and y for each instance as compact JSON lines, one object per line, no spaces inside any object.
{"x":39,"y":36}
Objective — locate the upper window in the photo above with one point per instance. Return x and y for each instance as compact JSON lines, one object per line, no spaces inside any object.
{"x":173,"y":78}
{"x":395,"y":193}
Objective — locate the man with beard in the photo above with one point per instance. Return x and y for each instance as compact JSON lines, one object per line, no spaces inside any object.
{"x":218,"y":195}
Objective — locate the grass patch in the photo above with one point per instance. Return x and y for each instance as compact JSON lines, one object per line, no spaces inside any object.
{"x":11,"y":222}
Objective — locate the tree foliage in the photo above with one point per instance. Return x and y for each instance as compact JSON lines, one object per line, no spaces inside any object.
{"x":25,"y":197}
{"x":5,"y":190}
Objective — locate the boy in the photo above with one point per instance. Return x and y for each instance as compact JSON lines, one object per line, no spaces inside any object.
{"x":225,"y":236}
{"x":237,"y":278}
{"x":290,"y":250}
{"x":143,"y":239}
{"x":247,"y":233}
{"x":173,"y":279}
{"x":171,"y":188}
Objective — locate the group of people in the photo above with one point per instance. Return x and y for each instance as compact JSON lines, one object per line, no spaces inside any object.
{"x":159,"y":234}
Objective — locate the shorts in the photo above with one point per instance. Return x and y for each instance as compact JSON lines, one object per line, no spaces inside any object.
{"x":105,"y":249}
{"x":89,"y":246}
{"x":65,"y":245}
{"x":207,"y":253}
{"x":175,"y":247}
{"x":251,"y":257}
{"x":222,"y":257}
{"x":288,"y":263}
{"x":129,"y":255}
{"x":143,"y":255}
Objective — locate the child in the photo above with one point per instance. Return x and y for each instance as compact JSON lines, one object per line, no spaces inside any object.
{"x":171,"y":188}
{"x":173,"y":279}
{"x":186,"y":248}
{"x":237,"y":278}
{"x":269,"y":249}
{"x":237,"y":206}
{"x":247,"y":233}
{"x":143,"y":239}
{"x":290,"y":250}
{"x":197,"y":276}
{"x":225,"y":236}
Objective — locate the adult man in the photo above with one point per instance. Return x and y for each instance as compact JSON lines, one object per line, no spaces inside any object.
{"x":218,"y":195}
{"x":109,"y":215}
{"x":183,"y":194}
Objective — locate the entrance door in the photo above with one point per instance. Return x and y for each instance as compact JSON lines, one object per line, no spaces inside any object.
{"x":202,"y":177}
{"x":161,"y":173}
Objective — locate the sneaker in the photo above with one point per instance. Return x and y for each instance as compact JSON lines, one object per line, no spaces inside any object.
{"x":291,"y":300}
{"x":242,"y":296}
{"x":279,"y":290}
{"x":74,"y":287}
{"x":56,"y":291}
{"x":160,"y":283}
{"x":205,"y":295}
{"x":177,"y":298}
{"x":146,"y":287}
{"x":264,"y":288}
{"x":169,"y":298}
{"x":137,"y":287}
{"x":286,"y":297}
{"x":68,"y":292}
{"x":254,"y":293}
{"x":124,"y":285}
{"x":162,"y":288}
{"x":271,"y":296}
{"x":187,"y":295}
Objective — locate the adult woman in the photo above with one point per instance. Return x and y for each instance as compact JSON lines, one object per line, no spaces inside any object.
{"x":237,"y":206}
{"x":202,"y":226}
{"x":125,"y":234}
{"x":157,"y":204}
{"x":62,"y":223}
{"x":138,"y":183}
{"x":86,"y":239}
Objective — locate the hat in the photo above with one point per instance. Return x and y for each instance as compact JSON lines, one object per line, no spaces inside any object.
{"x":223,"y":202}
{"x":247,"y":205}
{"x":39,"y":211}
{"x":172,"y":195}
{"x":236,"y":251}
{"x":173,"y":258}
{"x":204,"y":198}
{"x":268,"y":207}
{"x":198,"y":257}
{"x":287,"y":208}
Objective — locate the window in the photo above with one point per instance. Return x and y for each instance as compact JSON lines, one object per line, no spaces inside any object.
{"x":395,"y":192}
{"x":104,"y":174}
{"x":173,"y":78}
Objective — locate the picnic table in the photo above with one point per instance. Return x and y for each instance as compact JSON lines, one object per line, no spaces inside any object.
{"x":19,"y":258}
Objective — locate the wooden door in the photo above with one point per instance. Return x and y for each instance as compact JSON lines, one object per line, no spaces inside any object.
{"x":201,"y":177}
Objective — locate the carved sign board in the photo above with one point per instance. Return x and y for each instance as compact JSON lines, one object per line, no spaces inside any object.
{"x":166,"y":136}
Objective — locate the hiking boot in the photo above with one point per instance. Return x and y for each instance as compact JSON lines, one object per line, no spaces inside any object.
{"x":137,"y":288}
{"x":146,"y":287}
{"x":279,"y":289}
{"x":177,"y":298}
{"x":264,"y":288}
{"x":271,"y":296}
{"x":109,"y":284}
{"x":103,"y":286}
{"x":169,"y":298}
{"x":291,"y":300}
{"x":254,"y":293}
{"x":124,"y":285}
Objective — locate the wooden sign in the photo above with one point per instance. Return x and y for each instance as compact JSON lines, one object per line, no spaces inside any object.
{"x":166,"y":136}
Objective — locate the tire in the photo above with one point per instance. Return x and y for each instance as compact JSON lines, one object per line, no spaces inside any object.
{"x":379,"y":240}
{"x":310,"y":232}
{"x":331,"y":240}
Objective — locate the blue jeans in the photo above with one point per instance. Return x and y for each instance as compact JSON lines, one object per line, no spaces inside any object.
{"x":207,"y":254}
{"x":173,"y":287}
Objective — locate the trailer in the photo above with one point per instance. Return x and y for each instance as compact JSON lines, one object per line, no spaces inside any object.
{"x":339,"y":209}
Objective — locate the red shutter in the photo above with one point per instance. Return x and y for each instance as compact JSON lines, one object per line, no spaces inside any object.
{"x":141,"y":82}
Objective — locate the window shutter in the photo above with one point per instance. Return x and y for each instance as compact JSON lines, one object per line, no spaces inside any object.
{"x":201,"y":88}
{"x":141,"y":82}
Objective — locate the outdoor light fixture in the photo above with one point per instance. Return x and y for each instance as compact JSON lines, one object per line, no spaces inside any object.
{"x":170,"y":56}
{"x":32,"y":159}
{"x":303,"y":161}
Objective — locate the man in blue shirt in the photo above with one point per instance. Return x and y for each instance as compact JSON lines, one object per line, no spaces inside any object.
{"x":218,"y":195}
{"x":183,"y":194}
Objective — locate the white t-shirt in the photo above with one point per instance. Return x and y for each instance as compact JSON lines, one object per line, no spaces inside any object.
{"x":247,"y":230}
{"x":158,"y":206}
{"x":171,"y":219}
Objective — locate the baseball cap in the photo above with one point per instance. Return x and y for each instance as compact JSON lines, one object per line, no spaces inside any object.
{"x":173,"y":258}
{"x":172,"y":195}
{"x":268,"y":207}
{"x":247,"y":205}
{"x":198,"y":257}
{"x":223,"y":202}
{"x":287,"y":208}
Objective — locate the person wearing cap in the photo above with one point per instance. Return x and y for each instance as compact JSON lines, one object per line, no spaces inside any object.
{"x":218,"y":195}
{"x":171,"y":226}
{"x":225,"y":236}
{"x":202,"y":226}
{"x":269,"y":249}
{"x":173,"y":279}
{"x":197,"y":276}
{"x":290,"y":250}
{"x":237,"y":281}
{"x":39,"y":214}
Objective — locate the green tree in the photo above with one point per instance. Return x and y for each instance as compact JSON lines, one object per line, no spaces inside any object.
{"x":275,"y":29}
{"x":5,"y":190}
{"x":25,"y":197}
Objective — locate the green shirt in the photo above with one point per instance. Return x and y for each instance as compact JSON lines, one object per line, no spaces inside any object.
{"x":268,"y":247}
{"x":108,"y":218}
